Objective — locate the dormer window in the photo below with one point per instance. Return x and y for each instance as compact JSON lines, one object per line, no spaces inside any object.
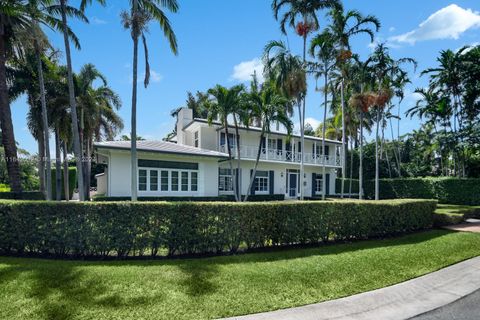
{"x":195,"y":139}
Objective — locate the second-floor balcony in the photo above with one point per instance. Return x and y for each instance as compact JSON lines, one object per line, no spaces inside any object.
{"x":250,"y":152}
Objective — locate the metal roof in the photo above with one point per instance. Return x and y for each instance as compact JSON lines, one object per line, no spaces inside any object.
{"x":160,"y":147}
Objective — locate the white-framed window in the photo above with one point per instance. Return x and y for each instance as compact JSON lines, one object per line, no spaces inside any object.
{"x":167,"y":180}
{"x":231,"y":138}
{"x":195,"y":139}
{"x":262,"y":182}
{"x":318,"y":183}
{"x":225,"y":182}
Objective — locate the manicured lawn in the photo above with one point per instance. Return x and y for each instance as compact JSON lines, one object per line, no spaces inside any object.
{"x":455,"y":209}
{"x":222,"y":286}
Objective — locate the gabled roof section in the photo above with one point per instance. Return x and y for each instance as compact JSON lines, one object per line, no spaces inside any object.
{"x":160,"y":147}
{"x":280,"y":133}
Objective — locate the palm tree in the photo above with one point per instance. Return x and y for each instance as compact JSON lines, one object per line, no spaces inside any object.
{"x":323,"y":47}
{"x":288,"y":73}
{"x":268,"y":106}
{"x":64,"y":11}
{"x":382,"y":67}
{"x":343,"y":29}
{"x":306,"y":11}
{"x":142,"y":12}
{"x":222,"y":104}
{"x":12,"y":21}
{"x":448,"y":77}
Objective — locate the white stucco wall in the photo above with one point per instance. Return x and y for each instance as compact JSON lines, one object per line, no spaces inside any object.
{"x":119,"y":174}
{"x":280,"y":178}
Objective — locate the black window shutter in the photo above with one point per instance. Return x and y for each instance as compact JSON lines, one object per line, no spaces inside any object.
{"x":327,"y":150}
{"x":264,"y":142}
{"x":237,"y":181}
{"x":252,"y":189}
{"x":299,"y":146}
{"x":314,"y":183}
{"x":271,"y":177}
{"x":222,"y":139}
{"x":279,"y":144}
{"x":327,"y":181}
{"x":288,"y":146}
{"x":238,"y":140}
{"x":313,"y":149}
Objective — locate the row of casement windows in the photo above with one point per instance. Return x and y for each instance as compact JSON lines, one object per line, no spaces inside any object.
{"x":167,"y":180}
{"x":261,"y":185}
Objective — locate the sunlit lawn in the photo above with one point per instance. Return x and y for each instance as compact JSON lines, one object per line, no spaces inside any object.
{"x":222,"y":286}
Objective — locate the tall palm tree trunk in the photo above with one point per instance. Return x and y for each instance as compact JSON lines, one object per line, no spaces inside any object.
{"x":46,"y":140}
{"x":377,"y":164}
{"x":257,"y":160}
{"x":360,"y":169}
{"x":41,"y":163}
{"x":343,"y":139}
{"x":58,"y":167}
{"x":230,"y":159}
{"x":73,"y":104}
{"x":351,"y":170}
{"x":238,"y":176}
{"x":66,"y":177}
{"x":302,"y":127}
{"x":324,"y":128}
{"x":133,"y":133}
{"x":8,"y":136}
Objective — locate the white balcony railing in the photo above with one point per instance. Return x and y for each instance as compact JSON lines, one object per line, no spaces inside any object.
{"x":250,"y":152}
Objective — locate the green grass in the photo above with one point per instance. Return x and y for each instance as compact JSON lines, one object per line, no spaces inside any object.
{"x":447,"y":214}
{"x":220,"y":286}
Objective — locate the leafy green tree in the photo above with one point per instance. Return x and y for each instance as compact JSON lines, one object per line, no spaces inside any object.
{"x":137,"y":20}
{"x":345,"y":25}
{"x":222,"y":104}
{"x":323,"y":48}
{"x":269,"y":106}
{"x":289,"y":75}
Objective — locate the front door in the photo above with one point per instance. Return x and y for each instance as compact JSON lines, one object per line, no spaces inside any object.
{"x":292,"y":184}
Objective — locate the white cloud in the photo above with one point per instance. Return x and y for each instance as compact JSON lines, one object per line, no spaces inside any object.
{"x":447,"y":23}
{"x":391,"y":29}
{"x":97,"y":21}
{"x":155,"y":76}
{"x":244,"y":70}
{"x":471,"y":45}
{"x":312,"y":121}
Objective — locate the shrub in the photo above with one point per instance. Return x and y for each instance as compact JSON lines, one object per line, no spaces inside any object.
{"x":72,"y":182}
{"x":132,"y":229}
{"x":445,"y":190}
{"x":346,"y":189}
{"x":25,"y":195}
{"x":251,"y":198}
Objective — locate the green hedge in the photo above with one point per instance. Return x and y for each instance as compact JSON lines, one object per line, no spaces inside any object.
{"x":445,"y":190}
{"x":72,"y":182}
{"x":252,"y":198}
{"x":25,"y":195}
{"x":338,"y":186}
{"x":131,"y":229}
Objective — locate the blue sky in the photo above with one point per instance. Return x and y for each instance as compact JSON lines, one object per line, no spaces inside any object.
{"x":219,"y":42}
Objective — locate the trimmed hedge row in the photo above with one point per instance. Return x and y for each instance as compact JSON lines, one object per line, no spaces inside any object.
{"x":252,"y":198}
{"x":445,"y":190}
{"x":131,"y":229}
{"x":25,"y":195}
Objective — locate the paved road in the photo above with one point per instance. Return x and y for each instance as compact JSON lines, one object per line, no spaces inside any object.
{"x":466,"y":308}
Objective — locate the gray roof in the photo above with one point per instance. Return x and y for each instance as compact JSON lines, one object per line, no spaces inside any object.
{"x":161,"y":147}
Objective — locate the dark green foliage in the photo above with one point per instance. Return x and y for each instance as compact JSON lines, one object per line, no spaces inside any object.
{"x":25,"y":195}
{"x":445,"y":190}
{"x":253,"y":198}
{"x":338,"y":186}
{"x":131,"y":229}
{"x":72,"y":182}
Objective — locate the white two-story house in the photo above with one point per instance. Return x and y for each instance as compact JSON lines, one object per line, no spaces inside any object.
{"x":196,"y":164}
